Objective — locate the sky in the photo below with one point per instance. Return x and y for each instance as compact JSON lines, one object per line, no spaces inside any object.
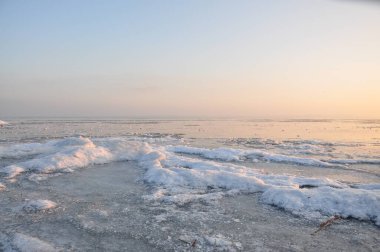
{"x":198,"y":58}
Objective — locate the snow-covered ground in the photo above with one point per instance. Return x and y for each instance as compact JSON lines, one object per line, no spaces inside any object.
{"x":108,"y":207}
{"x":164,"y":192}
{"x":164,"y":168}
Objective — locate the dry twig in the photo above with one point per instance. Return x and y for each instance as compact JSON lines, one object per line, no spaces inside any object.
{"x":327,"y":223}
{"x":193,"y":243}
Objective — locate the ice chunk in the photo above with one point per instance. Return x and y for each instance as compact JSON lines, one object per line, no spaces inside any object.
{"x":71,"y":153}
{"x":347,"y":202}
{"x":12,"y":171}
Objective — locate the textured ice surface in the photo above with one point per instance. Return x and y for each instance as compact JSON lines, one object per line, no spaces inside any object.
{"x":25,"y":243}
{"x":151,"y":191}
{"x":163,"y":167}
{"x":102,"y":208}
{"x":226,"y":154}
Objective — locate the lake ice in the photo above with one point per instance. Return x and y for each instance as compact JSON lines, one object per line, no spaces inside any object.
{"x":178,"y":185}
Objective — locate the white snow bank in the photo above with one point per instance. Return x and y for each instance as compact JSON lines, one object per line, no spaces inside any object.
{"x":295,"y":194}
{"x":25,"y":243}
{"x":67,"y":154}
{"x":32,"y":206}
{"x":347,"y":202}
{"x":173,"y":170}
{"x":70,"y":153}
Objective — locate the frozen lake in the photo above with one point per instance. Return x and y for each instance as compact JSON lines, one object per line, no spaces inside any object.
{"x":147,"y":185}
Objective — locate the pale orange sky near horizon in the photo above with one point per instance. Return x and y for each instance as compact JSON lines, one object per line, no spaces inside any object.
{"x":258,"y":59}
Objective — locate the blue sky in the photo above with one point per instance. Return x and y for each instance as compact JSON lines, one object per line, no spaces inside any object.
{"x":283,"y":58}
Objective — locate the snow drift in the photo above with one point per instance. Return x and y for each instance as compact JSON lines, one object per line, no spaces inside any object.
{"x":181,"y":172}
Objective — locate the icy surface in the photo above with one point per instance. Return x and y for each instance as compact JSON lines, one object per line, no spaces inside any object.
{"x":165,"y":168}
{"x":25,"y":243}
{"x":160,"y":191}
{"x":101,"y":208}
{"x":225,"y":154}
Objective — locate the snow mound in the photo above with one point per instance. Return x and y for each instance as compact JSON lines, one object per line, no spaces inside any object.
{"x":25,"y":243}
{"x":70,"y":153}
{"x":299,"y":195}
{"x":33,"y":206}
{"x":347,"y":202}
{"x":296,"y":194}
{"x":174,"y":171}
